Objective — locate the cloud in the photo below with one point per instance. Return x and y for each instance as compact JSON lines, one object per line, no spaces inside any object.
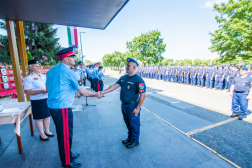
{"x":210,"y":4}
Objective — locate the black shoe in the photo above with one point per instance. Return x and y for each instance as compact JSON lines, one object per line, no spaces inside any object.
{"x":49,"y":135}
{"x":234,"y":115}
{"x":74,"y":156}
{"x":73,"y":165}
{"x":132,"y":144}
{"x":126,"y":141}
{"x":47,"y":139}
{"x":240,"y":117}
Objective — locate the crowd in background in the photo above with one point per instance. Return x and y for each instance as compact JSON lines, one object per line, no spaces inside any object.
{"x":218,"y":77}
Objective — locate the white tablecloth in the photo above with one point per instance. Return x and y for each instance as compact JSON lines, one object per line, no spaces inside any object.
{"x":17,"y":116}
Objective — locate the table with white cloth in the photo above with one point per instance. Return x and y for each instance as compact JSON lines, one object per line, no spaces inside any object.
{"x":15,"y":113}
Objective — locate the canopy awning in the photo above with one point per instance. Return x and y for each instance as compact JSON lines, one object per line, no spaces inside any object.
{"x":96,"y":14}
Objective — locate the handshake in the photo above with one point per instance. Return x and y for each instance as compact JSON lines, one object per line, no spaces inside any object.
{"x":99,"y":94}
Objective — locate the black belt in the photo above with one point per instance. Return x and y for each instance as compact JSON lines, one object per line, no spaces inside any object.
{"x":231,"y":78}
{"x":134,"y":101}
{"x":241,"y":91}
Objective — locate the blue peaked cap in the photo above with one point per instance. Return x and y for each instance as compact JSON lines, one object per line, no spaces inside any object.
{"x":245,"y":68}
{"x":132,"y":60}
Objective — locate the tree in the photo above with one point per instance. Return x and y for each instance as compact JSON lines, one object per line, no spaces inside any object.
{"x":197,"y":62}
{"x":187,"y":62}
{"x":147,"y":48}
{"x":88,"y":62}
{"x":4,"y":50}
{"x":40,"y":40}
{"x":234,"y":37}
{"x":206,"y":62}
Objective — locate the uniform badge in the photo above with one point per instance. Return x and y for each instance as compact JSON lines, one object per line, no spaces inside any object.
{"x":243,"y":84}
{"x":79,"y":82}
{"x":128,"y":86}
{"x":141,"y":86}
{"x":35,"y":78}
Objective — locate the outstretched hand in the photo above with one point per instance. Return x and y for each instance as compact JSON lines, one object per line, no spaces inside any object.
{"x":99,"y":95}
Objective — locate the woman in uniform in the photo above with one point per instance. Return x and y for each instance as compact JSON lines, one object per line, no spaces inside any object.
{"x":241,"y":92}
{"x":34,"y":85}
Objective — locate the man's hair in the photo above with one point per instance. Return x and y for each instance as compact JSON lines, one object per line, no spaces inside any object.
{"x":62,"y":59}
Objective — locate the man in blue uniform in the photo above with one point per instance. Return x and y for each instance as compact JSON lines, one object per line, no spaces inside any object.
{"x":241,"y":93}
{"x":225,"y":82}
{"x":132,"y":86}
{"x":219,"y":77}
{"x":61,"y":84}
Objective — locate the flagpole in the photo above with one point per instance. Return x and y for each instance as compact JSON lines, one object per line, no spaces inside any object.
{"x":81,"y":46}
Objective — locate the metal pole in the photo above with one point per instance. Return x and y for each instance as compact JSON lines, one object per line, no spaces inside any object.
{"x":81,"y":46}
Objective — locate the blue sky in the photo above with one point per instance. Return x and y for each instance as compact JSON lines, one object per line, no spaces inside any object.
{"x":184,"y":25}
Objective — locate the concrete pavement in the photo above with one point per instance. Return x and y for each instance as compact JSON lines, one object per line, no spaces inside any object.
{"x":98,"y":131}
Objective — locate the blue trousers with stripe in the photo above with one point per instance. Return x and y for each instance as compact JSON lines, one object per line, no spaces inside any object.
{"x":63,"y":120}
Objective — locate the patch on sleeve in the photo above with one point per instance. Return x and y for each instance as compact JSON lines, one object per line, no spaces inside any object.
{"x":141,"y":86}
{"x":79,"y":82}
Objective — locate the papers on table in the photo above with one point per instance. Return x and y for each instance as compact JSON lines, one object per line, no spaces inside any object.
{"x":12,"y":110}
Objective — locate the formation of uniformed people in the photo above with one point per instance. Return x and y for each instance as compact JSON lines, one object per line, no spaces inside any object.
{"x":237,"y":81}
{"x":96,"y":76}
{"x":204,"y":76}
{"x":62,"y":82}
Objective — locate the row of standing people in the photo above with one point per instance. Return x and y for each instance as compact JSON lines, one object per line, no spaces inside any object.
{"x":205,"y":76}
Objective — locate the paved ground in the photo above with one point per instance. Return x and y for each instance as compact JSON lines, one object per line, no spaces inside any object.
{"x":167,"y":128}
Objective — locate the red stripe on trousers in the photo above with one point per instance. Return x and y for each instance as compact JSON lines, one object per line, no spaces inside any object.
{"x":98,"y":86}
{"x":67,"y":159}
{"x":67,"y":128}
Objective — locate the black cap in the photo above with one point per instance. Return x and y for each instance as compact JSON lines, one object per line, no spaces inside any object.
{"x":33,"y":62}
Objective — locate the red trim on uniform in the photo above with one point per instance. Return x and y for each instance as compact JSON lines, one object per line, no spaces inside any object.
{"x":64,"y":135}
{"x":67,"y":133}
{"x":66,"y":54}
{"x":98,"y":85}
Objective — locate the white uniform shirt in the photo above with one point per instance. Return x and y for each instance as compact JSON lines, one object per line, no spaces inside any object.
{"x":35,"y":82}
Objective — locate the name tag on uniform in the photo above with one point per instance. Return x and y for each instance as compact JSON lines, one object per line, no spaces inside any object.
{"x":35,"y":78}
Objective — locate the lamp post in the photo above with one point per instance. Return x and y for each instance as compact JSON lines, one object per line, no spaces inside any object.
{"x":81,"y":46}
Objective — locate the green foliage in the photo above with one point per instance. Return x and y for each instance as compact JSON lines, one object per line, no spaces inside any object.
{"x":206,"y":62}
{"x":234,"y":37}
{"x":147,"y":48}
{"x":88,"y":62}
{"x":4,"y":49}
{"x":29,"y":56}
{"x":166,"y":62}
{"x":197,"y":62}
{"x":115,"y":59}
{"x":187,"y":62}
{"x":40,"y":40}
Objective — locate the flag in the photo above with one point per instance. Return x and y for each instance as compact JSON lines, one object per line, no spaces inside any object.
{"x":72,"y":36}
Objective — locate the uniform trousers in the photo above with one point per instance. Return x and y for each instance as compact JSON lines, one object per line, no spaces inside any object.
{"x":100,"y":85}
{"x":132,"y":122}
{"x":239,"y":103}
{"x":175,"y":79}
{"x":187,"y":79}
{"x":92,"y":83}
{"x":219,"y":83}
{"x":212,"y":82}
{"x":225,"y":83}
{"x":63,"y":120}
{"x":96,"y":84}
{"x":179,"y":78}
{"x":208,"y":81}
{"x":195,"y":80}
{"x":169,"y":77}
{"x":230,"y":83}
